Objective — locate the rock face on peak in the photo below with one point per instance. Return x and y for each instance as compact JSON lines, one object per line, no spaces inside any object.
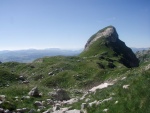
{"x":107,"y":41}
{"x":108,"y":32}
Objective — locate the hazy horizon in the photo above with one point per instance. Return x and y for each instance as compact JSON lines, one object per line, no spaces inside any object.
{"x":41,"y":49}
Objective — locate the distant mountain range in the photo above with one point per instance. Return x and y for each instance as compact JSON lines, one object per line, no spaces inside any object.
{"x":138,"y":49}
{"x":26,"y":56}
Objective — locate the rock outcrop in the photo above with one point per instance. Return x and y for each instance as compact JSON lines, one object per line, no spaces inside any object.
{"x":108,"y":32}
{"x":60,"y":95}
{"x":34,"y":92}
{"x":107,"y":40}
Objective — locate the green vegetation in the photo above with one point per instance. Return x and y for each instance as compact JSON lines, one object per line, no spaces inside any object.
{"x":79,"y":73}
{"x":7,"y":77}
{"x":102,"y":62}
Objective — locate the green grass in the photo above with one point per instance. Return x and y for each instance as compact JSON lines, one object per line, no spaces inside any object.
{"x":79,"y":73}
{"x":135,"y":99}
{"x":82,"y":72}
{"x":7,"y":77}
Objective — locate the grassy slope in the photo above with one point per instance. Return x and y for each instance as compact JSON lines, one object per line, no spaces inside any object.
{"x":98,"y":47}
{"x":135,"y":99}
{"x":7,"y":77}
{"x":82,"y":73}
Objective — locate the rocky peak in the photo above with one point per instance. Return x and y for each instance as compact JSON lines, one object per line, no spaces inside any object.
{"x":108,"y":32}
{"x":107,"y":41}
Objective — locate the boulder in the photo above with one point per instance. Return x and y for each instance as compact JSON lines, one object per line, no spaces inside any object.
{"x":34,"y":92}
{"x":1,"y":110}
{"x":56,"y":107}
{"x":25,"y":97}
{"x":22,"y":78}
{"x":7,"y":111}
{"x":2,"y":97}
{"x":126,"y":86}
{"x":83,"y":106}
{"x":49,"y":102}
{"x":32,"y":111}
{"x":60,"y":95}
{"x":105,"y":110}
{"x":38,"y":103}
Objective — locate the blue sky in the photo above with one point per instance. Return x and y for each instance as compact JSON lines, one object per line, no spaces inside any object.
{"x":68,"y":24}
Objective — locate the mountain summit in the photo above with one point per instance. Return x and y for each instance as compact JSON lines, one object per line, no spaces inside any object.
{"x":107,"y":41}
{"x":108,"y":32}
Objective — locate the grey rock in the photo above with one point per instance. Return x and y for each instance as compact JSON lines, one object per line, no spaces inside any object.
{"x":1,"y":110}
{"x":73,"y":111}
{"x":38,"y":103}
{"x":41,"y":107}
{"x":56,"y":107}
{"x":25,"y":97}
{"x":7,"y":111}
{"x":22,"y":78}
{"x":87,"y":100}
{"x":48,"y":111}
{"x":2,"y":97}
{"x":60,"y":95}
{"x":32,"y":111}
{"x":93,"y":103}
{"x":109,"y":32}
{"x":23,"y":110}
{"x":34,"y":92}
{"x":71,"y":101}
{"x":1,"y":102}
{"x":50,"y":102}
{"x":83,"y":106}
{"x":25,"y":82}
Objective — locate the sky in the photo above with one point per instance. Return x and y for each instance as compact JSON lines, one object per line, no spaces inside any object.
{"x":68,"y":24}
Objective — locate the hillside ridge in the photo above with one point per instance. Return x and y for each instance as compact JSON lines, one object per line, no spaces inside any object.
{"x":107,"y":41}
{"x":98,"y":80}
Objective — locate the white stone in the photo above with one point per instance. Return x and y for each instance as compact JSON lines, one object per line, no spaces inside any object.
{"x":101,"y":86}
{"x":126,"y":86}
{"x":123,"y":78}
{"x":71,"y":101}
{"x":38,"y":103}
{"x":2,"y":97}
{"x":73,"y":111}
{"x":92,"y":103}
{"x":105,"y":110}
{"x":116,"y":102}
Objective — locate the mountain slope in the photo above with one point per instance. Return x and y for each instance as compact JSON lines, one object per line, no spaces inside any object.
{"x":26,"y":56}
{"x":95,"y":81}
{"x":107,"y":41}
